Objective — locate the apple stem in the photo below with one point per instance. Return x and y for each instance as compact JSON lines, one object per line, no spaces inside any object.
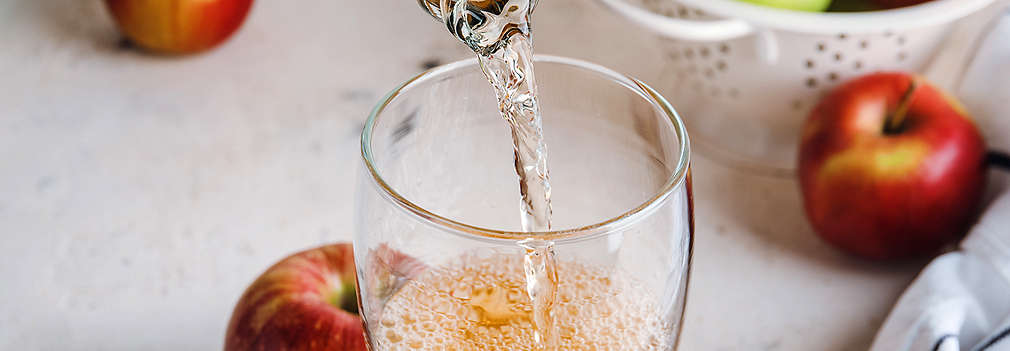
{"x":345,"y":298}
{"x":897,"y":119}
{"x":998,"y":159}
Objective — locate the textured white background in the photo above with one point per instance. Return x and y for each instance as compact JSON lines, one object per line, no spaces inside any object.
{"x":140,"y":194}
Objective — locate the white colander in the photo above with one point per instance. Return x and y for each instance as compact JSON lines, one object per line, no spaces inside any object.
{"x":745,"y":76}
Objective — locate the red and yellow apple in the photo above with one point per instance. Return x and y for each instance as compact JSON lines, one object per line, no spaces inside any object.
{"x":388,"y":269}
{"x":304,"y":302}
{"x":891,"y":167}
{"x":178,"y":26}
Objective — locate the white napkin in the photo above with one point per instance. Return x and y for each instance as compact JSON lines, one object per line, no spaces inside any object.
{"x":961,"y":301}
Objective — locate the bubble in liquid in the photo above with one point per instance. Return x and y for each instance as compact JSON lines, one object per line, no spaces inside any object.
{"x":610,"y":312}
{"x":392,"y":336}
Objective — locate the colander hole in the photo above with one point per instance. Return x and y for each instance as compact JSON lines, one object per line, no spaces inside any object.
{"x":682,"y":11}
{"x":699,"y":13}
{"x":842,"y":36}
{"x":709,"y":73}
{"x":797,"y":104}
{"x":821,"y":47}
{"x":811,"y":82}
{"x":832,"y":76}
{"x":674,"y":56}
{"x":901,"y":40}
{"x":888,"y":33}
{"x":689,"y":53}
{"x":864,"y":44}
{"x":838,"y":56}
{"x":902,"y":56}
{"x":704,"y":52}
{"x":857,"y":65}
{"x":720,"y":65}
{"x":810,"y":64}
{"x":723,"y":48}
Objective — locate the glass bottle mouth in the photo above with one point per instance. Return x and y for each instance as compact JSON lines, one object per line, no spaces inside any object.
{"x":434,"y":7}
{"x":676,"y":179}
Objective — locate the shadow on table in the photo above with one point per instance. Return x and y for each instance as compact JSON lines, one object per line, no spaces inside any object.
{"x":771,"y":209}
{"x":76,"y":22}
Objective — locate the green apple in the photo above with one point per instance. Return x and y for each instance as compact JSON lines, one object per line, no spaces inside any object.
{"x":799,"y":5}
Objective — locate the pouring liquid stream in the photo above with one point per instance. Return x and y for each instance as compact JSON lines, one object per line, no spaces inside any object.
{"x":499,"y":32}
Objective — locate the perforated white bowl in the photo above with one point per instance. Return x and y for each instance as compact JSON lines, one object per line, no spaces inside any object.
{"x":745,"y":76}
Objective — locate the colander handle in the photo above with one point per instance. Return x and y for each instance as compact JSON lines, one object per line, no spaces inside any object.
{"x":717,"y":30}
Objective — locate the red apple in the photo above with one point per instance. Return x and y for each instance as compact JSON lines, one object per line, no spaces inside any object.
{"x":891,"y":167}
{"x":304,"y":302}
{"x":890,"y":4}
{"x":178,"y":26}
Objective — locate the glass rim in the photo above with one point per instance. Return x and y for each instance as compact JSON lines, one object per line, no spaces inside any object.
{"x":676,"y":179}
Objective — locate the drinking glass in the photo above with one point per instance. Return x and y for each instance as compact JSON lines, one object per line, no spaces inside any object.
{"x":439,"y":264}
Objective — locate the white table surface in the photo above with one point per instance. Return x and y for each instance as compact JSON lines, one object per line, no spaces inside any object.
{"x":139,"y":195}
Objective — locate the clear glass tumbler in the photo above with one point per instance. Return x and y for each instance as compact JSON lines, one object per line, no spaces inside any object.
{"x":437,"y":240}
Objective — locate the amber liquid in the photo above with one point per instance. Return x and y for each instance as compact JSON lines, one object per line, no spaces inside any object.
{"x":479,"y":303}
